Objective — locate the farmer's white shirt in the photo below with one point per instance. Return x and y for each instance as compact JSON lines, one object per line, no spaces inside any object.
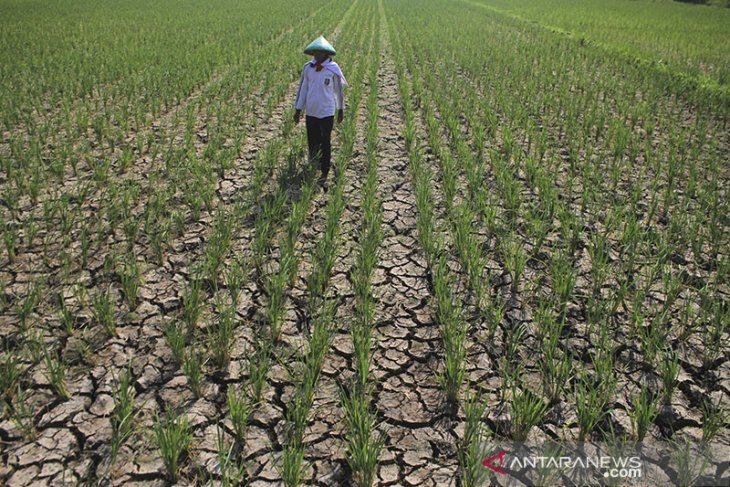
{"x":320,"y":93}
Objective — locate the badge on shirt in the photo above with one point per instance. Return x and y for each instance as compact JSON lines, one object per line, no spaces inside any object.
{"x":326,"y":81}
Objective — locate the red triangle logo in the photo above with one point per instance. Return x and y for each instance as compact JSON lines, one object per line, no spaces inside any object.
{"x":489,"y":462}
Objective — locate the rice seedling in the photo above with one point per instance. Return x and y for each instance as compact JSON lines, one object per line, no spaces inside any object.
{"x":240,"y":410}
{"x":292,"y":468}
{"x":28,"y":303}
{"x":235,"y":279}
{"x":511,"y":368}
{"x":556,"y":372}
{"x":361,"y":333}
{"x":192,"y":366}
{"x":425,"y":221}
{"x":715,"y":319}
{"x":102,"y":307}
{"x":449,"y":173}
{"x":590,"y":406}
{"x":563,"y":280}
{"x":33,"y":343}
{"x":539,"y":224}
{"x":453,"y":333}
{"x":689,"y":319}
{"x":469,"y":251}
{"x":131,"y":228}
{"x":124,"y":412}
{"x":129,"y":275}
{"x":178,"y":218}
{"x":515,"y":260}
{"x":85,"y":244}
{"x":643,"y":412}
{"x":604,"y":366}
{"x":258,"y":366}
{"x":3,"y":297}
{"x":175,"y":337}
{"x":714,"y":417}
{"x":232,"y":470}
{"x":275,"y":288}
{"x":56,"y":373}
{"x":9,"y":375}
{"x":192,"y":302}
{"x":669,"y":372}
{"x":365,"y":442}
{"x":471,"y":449}
{"x":528,"y":411}
{"x":217,"y":246}
{"x":10,"y":238}
{"x":23,"y":412}
{"x":220,"y":336}
{"x":653,"y":337}
{"x":173,"y":436}
{"x":688,"y":462}
{"x":263,"y":228}
{"x":493,"y":312}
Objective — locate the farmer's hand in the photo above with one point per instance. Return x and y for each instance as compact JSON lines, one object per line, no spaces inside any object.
{"x":340,"y":115}
{"x":297,"y":116}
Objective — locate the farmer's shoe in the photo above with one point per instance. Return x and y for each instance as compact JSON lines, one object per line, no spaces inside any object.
{"x":322,"y":181}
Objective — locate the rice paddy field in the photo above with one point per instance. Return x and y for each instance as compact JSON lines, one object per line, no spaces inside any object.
{"x":525,"y":240}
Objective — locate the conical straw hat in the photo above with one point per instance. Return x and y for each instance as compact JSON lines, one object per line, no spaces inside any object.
{"x":320,"y":44}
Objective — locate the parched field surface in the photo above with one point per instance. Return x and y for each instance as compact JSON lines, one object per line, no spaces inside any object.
{"x":525,"y":238}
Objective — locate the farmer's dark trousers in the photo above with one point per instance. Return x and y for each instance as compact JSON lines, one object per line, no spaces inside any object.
{"x":319,"y":131}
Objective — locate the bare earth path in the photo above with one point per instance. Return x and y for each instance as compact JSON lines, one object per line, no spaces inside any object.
{"x":419,"y":450}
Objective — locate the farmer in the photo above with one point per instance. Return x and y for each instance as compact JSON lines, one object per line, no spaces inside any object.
{"x":320,"y":94}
